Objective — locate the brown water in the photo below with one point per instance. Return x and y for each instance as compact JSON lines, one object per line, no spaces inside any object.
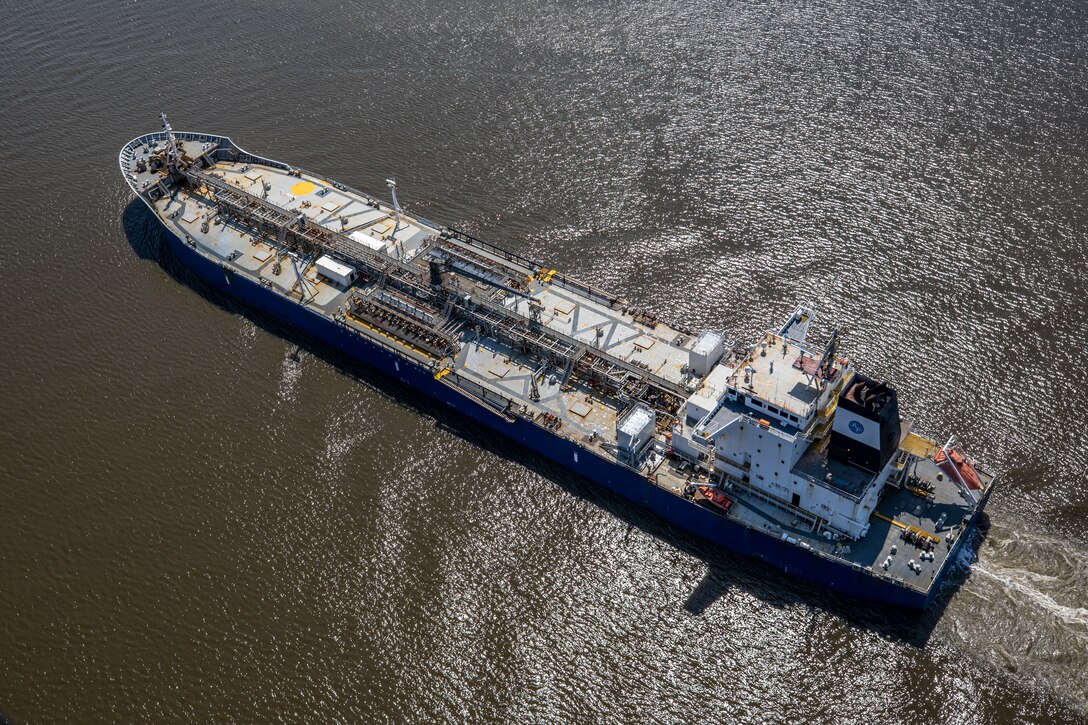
{"x":199,"y":524}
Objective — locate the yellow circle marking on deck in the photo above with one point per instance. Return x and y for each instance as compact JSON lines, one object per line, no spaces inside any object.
{"x":303,"y":188}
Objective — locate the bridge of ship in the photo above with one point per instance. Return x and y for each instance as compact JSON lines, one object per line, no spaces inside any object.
{"x":518,"y":335}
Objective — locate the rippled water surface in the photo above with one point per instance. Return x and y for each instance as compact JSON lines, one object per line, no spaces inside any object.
{"x":207,"y":518}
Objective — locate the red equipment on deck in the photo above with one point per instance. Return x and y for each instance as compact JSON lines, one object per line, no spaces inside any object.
{"x":954,"y":463}
{"x":715,"y":497}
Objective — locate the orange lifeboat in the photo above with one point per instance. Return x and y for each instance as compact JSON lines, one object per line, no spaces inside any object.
{"x":953,"y":463}
{"x":715,"y":497}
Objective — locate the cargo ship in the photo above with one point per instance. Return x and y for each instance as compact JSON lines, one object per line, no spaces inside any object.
{"x":779,"y":448}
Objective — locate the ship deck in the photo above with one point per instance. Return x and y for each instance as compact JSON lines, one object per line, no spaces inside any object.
{"x":776,"y":377}
{"x":582,"y":410}
{"x":817,"y":464}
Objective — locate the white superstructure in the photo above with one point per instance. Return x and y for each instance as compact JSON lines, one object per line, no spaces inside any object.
{"x":765,"y":420}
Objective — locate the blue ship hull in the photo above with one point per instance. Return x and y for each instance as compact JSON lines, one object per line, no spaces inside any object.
{"x":824,"y":571}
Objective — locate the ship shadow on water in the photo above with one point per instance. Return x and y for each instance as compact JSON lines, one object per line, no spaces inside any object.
{"x":725,"y":570}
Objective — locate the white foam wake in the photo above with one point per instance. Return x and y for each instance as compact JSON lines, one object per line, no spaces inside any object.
{"x":1019,"y":581}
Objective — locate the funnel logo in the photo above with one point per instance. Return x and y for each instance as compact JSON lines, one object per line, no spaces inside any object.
{"x":856,"y":428}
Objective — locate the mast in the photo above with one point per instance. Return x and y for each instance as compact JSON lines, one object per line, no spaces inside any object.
{"x":171,"y":142}
{"x":827,"y":362}
{"x":392,"y":183}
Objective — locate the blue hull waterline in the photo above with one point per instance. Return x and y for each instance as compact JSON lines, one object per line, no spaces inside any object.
{"x":780,"y":450}
{"x":791,"y":559}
